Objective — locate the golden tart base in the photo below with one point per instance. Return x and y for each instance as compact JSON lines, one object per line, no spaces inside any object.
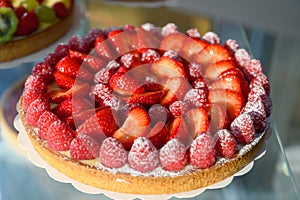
{"x":114,"y":180}
{"x":36,"y":41}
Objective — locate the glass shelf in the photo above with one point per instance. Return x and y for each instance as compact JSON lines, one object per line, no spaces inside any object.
{"x":270,"y":178}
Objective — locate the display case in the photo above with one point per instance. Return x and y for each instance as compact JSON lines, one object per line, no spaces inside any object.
{"x":268,"y":177}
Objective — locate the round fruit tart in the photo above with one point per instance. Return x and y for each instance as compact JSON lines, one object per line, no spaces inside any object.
{"x":27,"y":26}
{"x":147,"y":110}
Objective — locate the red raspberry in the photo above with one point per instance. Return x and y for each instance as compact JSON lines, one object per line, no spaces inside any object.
{"x":168,"y":29}
{"x":112,"y":153}
{"x":193,"y":33}
{"x":80,"y":43}
{"x":51,"y":59}
{"x":143,"y":156}
{"x":150,"y":56}
{"x":102,"y":94}
{"x":178,"y":108}
{"x":173,"y":156}
{"x":60,"y":136}
{"x":243,"y":129}
{"x":231,"y":45}
{"x":202,"y":151}
{"x":199,"y":83}
{"x":226,"y":143}
{"x":62,"y":50}
{"x":261,"y":80}
{"x":29,"y":95}
{"x":256,"y":110}
{"x":71,"y":106}
{"x":259,"y":91}
{"x":130,"y":60}
{"x":45,"y":120}
{"x":253,"y":69}
{"x":158,"y":113}
{"x":60,"y":10}
{"x":211,"y":37}
{"x":194,"y":71}
{"x":35,"y":82}
{"x":44,"y":70}
{"x":36,"y":108}
{"x":242,"y":57}
{"x":84,"y":147}
{"x":197,"y":97}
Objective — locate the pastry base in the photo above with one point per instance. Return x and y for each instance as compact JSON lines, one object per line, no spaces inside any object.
{"x":126,"y":183}
{"x":32,"y":43}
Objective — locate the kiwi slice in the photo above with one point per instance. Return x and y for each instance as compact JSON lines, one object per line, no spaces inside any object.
{"x":8,"y":24}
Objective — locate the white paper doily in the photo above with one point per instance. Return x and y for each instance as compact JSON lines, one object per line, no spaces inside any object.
{"x":36,"y":159}
{"x":79,"y":19}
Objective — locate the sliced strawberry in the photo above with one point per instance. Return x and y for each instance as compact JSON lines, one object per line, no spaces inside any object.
{"x":68,"y":66}
{"x":105,"y":48}
{"x":202,"y":152}
{"x":137,"y":118}
{"x":84,"y":147}
{"x":226,"y":143}
{"x":219,"y":118}
{"x":60,"y":136}
{"x":179,"y":129}
{"x":215,"y":69}
{"x":63,"y":81}
{"x":173,"y":42}
{"x":57,"y":96}
{"x":167,"y":67}
{"x":173,"y":156}
{"x":143,"y":156}
{"x":232,"y":101}
{"x":124,"y":84}
{"x":112,"y":153}
{"x":229,"y":82}
{"x":147,"y":39}
{"x":77,"y":119}
{"x":176,"y":88}
{"x":197,"y":120}
{"x":101,"y":125}
{"x":212,"y":53}
{"x":147,"y":98}
{"x":125,"y":41}
{"x":158,"y":135}
{"x":191,"y":47}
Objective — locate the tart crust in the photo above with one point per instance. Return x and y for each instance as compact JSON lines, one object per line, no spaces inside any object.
{"x":37,"y":41}
{"x":127,"y":183}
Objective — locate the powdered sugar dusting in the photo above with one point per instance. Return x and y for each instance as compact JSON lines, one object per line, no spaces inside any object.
{"x":168,"y":29}
{"x":211,"y":37}
{"x":242,"y":57}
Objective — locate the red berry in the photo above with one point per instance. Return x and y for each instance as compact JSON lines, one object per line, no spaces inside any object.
{"x":197,"y":97}
{"x":178,"y":108}
{"x":211,"y":37}
{"x":102,"y":94}
{"x":60,"y":136}
{"x":60,"y":10}
{"x":36,"y":108}
{"x":158,"y":113}
{"x":51,"y":59}
{"x":259,"y":91}
{"x":84,"y":147}
{"x":104,"y":75}
{"x":194,"y":71}
{"x":35,"y":82}
{"x":20,"y":11}
{"x":202,"y":151}
{"x":173,"y":156}
{"x":243,"y":129}
{"x":150,"y":56}
{"x":260,"y":80}
{"x":143,"y":156}
{"x":44,"y":70}
{"x":158,"y":135}
{"x":79,"y":43}
{"x":62,"y":50}
{"x":45,"y":120}
{"x":28,"y":23}
{"x":242,"y":57}
{"x":253,"y":69}
{"x":226,"y":143}
{"x":112,"y":153}
{"x":199,"y":83}
{"x":30,"y":95}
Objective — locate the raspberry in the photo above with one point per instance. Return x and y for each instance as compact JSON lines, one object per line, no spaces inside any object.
{"x":253,"y":69}
{"x":194,"y":70}
{"x":172,"y":54}
{"x":231,"y":45}
{"x":173,"y":156}
{"x":51,"y":59}
{"x":261,"y":80}
{"x":242,"y":57}
{"x":44,"y":70}
{"x":168,"y":29}
{"x":92,"y":35}
{"x":35,"y":82}
{"x":197,"y":97}
{"x":259,"y":91}
{"x":211,"y":37}
{"x":129,"y":60}
{"x":45,"y":120}
{"x":202,"y":151}
{"x":70,"y":106}
{"x":104,"y":75}
{"x":62,"y":50}
{"x":29,"y":95}
{"x":60,"y":10}
{"x":226,"y":143}
{"x":84,"y":147}
{"x":243,"y":129}
{"x":256,"y":110}
{"x":158,"y":113}
{"x":112,"y":153}
{"x":199,"y":83}
{"x":102,"y":94}
{"x":178,"y":108}
{"x":150,"y":56}
{"x":143,"y":156}
{"x":36,"y":108}
{"x":79,"y":43}
{"x":60,"y":136}
{"x":193,"y":32}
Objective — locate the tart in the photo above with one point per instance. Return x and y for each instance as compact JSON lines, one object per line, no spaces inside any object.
{"x":147,"y":110}
{"x":28,"y":22}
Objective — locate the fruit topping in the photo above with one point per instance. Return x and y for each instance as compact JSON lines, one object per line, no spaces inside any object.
{"x":84,"y":147}
{"x":226,"y":143}
{"x":243,"y":128}
{"x":28,"y":23}
{"x":36,"y":108}
{"x":45,"y":120}
{"x":143,"y":156}
{"x":8,"y":22}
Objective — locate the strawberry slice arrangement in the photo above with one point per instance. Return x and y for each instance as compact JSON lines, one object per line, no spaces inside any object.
{"x":148,"y":98}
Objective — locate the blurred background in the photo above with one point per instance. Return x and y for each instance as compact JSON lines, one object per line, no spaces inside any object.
{"x":269,"y":28}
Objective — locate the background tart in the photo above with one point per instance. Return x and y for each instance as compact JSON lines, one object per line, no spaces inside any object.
{"x":25,"y":45}
{"x":147,"y":110}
